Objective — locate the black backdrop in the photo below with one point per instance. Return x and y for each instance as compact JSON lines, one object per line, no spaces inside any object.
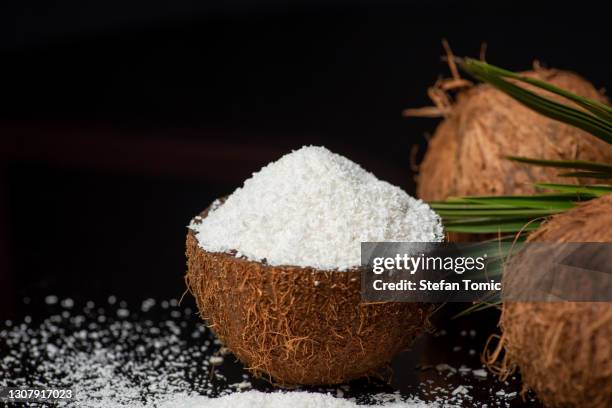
{"x":121,"y":120}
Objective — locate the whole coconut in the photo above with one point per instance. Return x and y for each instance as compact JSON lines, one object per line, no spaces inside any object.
{"x":564,"y":349}
{"x":466,"y":154}
{"x":296,"y":325}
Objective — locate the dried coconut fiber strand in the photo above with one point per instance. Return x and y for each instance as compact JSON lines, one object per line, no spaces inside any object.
{"x":312,"y":208}
{"x":297,"y":318}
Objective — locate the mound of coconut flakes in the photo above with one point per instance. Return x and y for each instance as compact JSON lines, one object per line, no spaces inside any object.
{"x":313,"y":208}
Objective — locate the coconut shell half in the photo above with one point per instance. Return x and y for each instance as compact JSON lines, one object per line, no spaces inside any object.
{"x":564,"y":349}
{"x":295,"y":325}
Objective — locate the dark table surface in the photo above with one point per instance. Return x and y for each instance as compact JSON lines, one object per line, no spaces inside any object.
{"x":419,"y":372}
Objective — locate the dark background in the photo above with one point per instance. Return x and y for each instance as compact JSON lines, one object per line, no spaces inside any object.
{"x":119,"y":120}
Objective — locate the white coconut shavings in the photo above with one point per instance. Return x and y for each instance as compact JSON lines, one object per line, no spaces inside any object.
{"x":119,"y":362}
{"x":295,"y":399}
{"x":106,"y":373}
{"x":313,"y":208}
{"x":480,"y":373}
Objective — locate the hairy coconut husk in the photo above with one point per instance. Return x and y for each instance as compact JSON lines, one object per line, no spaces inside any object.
{"x":466,"y":153}
{"x":563,"y":349}
{"x":298,"y":325}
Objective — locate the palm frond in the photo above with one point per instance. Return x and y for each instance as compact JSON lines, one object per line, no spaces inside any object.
{"x":565,"y":164}
{"x":596,"y":190}
{"x":597,"y":108}
{"x":587,"y":174}
{"x":519,"y":214}
{"x":511,"y":214}
{"x":595,"y":118}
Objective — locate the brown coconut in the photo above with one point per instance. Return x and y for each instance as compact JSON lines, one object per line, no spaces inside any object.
{"x":295,"y":325}
{"x":466,"y":153}
{"x":563,"y":349}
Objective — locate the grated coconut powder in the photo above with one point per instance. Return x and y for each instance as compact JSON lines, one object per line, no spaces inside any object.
{"x":313,"y":208}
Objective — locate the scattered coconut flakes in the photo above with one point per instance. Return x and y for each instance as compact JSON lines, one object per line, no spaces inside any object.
{"x":460,"y":390}
{"x":445,"y":367}
{"x":147,"y":305}
{"x":464,"y":369}
{"x":294,"y":399}
{"x":480,"y":373}
{"x":51,"y":299}
{"x":122,"y":363}
{"x":243,"y":385}
{"x":313,"y":208}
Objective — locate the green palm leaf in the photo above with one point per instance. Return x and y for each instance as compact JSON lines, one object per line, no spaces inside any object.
{"x":519,"y":214}
{"x":556,"y":201}
{"x":491,"y":226}
{"x":480,"y":68}
{"x":500,"y":213}
{"x":586,"y":174}
{"x":565,"y":164}
{"x":592,"y":189}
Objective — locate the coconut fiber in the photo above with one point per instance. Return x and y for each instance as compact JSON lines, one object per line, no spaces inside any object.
{"x":298,"y":325}
{"x":563,"y":349}
{"x":466,"y":154}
